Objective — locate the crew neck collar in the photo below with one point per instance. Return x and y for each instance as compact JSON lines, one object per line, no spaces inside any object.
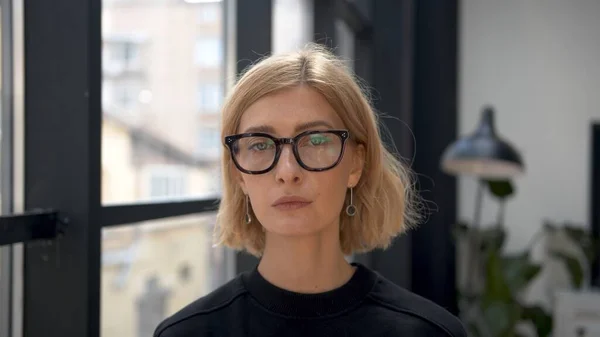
{"x":295,"y":304}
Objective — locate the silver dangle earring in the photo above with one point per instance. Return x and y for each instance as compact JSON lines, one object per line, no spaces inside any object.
{"x":351,"y":209}
{"x":248,"y":218}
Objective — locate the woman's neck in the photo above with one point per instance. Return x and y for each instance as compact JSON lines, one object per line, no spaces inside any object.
{"x":304,"y":265}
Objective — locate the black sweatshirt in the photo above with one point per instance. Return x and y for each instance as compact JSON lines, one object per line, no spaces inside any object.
{"x":367,"y":305}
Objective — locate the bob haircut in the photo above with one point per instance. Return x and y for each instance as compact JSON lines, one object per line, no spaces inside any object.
{"x":384,"y":196}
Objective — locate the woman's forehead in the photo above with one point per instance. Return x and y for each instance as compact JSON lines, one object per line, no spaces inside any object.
{"x":289,"y":111}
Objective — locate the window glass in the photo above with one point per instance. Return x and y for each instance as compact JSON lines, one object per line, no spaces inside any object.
{"x":162,"y":87}
{"x":210,"y":98}
{"x":151,"y":270}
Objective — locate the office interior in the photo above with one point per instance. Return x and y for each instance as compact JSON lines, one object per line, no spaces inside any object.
{"x":110,"y":152}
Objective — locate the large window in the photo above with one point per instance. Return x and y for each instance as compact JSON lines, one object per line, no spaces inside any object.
{"x":151,"y":270}
{"x":155,"y":54}
{"x":162,"y":75}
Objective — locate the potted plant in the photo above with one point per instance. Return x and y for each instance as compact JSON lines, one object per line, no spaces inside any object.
{"x":490,"y":296}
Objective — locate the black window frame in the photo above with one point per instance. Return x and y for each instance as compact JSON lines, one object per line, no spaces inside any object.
{"x":63,"y":158}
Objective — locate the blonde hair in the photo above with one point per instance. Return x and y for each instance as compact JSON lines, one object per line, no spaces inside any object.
{"x":384,"y":196}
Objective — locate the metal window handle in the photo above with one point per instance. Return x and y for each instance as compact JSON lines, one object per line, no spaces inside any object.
{"x":32,"y":225}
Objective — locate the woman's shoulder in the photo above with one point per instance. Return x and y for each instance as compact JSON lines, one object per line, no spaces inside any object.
{"x":193,"y":316}
{"x":405,"y":303}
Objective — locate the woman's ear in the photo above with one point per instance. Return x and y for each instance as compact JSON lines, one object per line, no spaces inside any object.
{"x":358,"y":163}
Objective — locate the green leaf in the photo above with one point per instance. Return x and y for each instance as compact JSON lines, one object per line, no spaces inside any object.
{"x":549,"y":227}
{"x":576,"y":234}
{"x":501,"y":189}
{"x":573,"y":266}
{"x":584,"y":240}
{"x":501,"y":318}
{"x":541,"y":320}
{"x":496,"y":288}
{"x":519,"y":271}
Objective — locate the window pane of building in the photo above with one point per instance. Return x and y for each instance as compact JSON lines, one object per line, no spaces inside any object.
{"x":151,"y":270}
{"x":210,"y":97}
{"x":162,"y":87}
{"x":209,"y":51}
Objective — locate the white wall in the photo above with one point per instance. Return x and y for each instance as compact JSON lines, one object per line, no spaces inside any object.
{"x":538,"y":63}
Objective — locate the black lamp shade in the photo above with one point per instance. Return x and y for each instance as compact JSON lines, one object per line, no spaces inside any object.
{"x":483,"y":153}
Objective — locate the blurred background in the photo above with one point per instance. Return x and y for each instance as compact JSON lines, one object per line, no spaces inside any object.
{"x":110,"y":121}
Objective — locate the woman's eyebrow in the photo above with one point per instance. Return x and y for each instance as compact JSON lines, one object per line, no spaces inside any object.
{"x":313,"y":124}
{"x":260,"y":128}
{"x":300,"y":127}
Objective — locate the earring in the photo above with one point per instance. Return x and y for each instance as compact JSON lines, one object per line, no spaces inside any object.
{"x":351,"y":209}
{"x":248,"y":218}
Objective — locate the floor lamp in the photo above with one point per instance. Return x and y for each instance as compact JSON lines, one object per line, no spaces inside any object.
{"x":486,"y":156}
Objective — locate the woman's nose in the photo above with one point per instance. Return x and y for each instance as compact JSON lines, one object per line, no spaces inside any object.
{"x":288,"y":170}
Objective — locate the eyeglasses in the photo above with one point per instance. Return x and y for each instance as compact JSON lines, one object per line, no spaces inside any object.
{"x":258,"y":153}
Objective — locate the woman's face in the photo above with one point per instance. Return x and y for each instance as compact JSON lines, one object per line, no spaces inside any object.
{"x":290,"y":200}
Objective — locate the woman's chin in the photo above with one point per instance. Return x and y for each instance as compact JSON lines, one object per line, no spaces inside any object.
{"x":294,"y":228}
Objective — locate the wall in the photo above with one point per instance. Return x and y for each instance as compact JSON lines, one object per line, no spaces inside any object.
{"x":538,"y":63}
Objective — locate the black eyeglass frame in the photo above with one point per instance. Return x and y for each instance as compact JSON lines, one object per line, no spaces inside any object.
{"x":279,"y":142}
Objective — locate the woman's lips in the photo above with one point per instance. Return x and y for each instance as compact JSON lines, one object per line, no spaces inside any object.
{"x":291,"y":203}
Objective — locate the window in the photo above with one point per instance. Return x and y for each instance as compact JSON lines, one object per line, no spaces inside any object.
{"x":208,"y":13}
{"x":121,"y":95}
{"x":151,"y":270}
{"x":209,"y":52}
{"x":126,"y":52}
{"x":121,"y":53}
{"x":150,"y":115}
{"x":209,"y":140}
{"x":210,"y":97}
{"x":125,"y":95}
{"x":167,"y":181}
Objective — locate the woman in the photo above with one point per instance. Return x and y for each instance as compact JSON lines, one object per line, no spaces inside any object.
{"x":307,"y":181}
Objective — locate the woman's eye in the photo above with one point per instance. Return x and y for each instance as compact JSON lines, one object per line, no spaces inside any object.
{"x":318,"y":140}
{"x":261,"y":146}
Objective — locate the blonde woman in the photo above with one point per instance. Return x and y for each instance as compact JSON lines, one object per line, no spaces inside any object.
{"x":308,"y":181}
